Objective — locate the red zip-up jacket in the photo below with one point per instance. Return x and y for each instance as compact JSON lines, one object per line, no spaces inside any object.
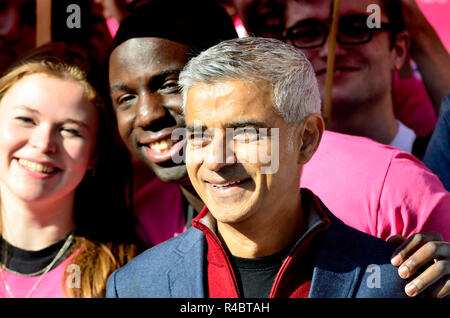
{"x":293,"y":280}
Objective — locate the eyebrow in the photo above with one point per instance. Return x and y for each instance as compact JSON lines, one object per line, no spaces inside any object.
{"x":69,"y":120}
{"x":27,"y":108}
{"x":158,"y":76}
{"x":119,"y":87}
{"x":246,"y":123}
{"x":77,"y":122}
{"x":234,"y":124}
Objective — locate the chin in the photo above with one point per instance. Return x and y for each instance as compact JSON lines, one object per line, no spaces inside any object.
{"x":171,"y":174}
{"x":229,"y":212}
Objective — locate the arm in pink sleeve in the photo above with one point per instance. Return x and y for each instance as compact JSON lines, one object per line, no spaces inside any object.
{"x":413,"y":200}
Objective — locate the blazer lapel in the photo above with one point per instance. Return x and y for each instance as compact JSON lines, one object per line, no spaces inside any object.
{"x":186,"y":275}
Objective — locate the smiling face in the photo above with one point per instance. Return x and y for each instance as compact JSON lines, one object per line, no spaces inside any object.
{"x":143,"y":76}
{"x":48,"y":131}
{"x":263,"y":18}
{"x":225,"y":167}
{"x":362,"y":72}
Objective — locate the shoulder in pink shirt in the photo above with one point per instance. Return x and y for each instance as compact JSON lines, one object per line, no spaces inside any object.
{"x":377,"y":189}
{"x":50,"y":286}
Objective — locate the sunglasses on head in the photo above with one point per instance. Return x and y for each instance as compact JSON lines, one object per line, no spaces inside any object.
{"x":352,"y":30}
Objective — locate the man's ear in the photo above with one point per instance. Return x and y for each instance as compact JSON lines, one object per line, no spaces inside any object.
{"x":309,"y":133}
{"x":400,"y":49}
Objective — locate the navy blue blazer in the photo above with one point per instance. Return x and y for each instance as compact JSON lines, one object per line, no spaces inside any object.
{"x":348,"y":264}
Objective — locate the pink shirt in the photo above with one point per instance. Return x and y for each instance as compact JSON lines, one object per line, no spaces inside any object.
{"x":159,"y":210}
{"x":50,"y":286}
{"x":377,"y":189}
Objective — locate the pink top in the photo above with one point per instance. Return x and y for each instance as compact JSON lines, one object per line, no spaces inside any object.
{"x":159,"y":210}
{"x":412,"y":105}
{"x":51,"y":285}
{"x":383,"y":192}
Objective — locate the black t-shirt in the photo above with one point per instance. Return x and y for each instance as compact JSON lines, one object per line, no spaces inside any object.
{"x":29,"y":262}
{"x":255,"y":276}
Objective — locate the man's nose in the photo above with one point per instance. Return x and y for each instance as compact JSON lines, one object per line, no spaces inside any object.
{"x":43,"y":139}
{"x":149,"y":110}
{"x":219,"y":153}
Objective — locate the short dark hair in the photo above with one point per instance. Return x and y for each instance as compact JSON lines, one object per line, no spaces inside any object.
{"x":198,"y":24}
{"x":394,"y":13}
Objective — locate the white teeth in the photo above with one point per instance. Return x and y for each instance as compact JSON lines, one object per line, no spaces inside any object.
{"x":162,"y":145}
{"x":225,"y":184}
{"x":35,"y":167}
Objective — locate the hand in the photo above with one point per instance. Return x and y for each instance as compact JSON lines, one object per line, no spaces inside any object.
{"x":411,"y":11}
{"x":414,"y":254}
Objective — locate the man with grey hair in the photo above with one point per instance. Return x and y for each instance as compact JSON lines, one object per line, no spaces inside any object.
{"x":259,"y":234}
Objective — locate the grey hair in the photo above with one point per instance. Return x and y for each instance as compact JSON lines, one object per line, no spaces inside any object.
{"x":285,"y":68}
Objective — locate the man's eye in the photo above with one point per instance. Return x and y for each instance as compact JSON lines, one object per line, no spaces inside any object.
{"x":196,"y":136}
{"x":198,"y":139}
{"x":246,"y":135}
{"x":354,"y":29}
{"x":309,"y":33}
{"x":124,"y":100}
{"x":354,"y":26}
{"x":171,"y":87}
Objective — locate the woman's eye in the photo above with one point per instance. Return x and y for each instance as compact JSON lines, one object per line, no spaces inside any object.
{"x":25,"y":120}
{"x":70,"y":132}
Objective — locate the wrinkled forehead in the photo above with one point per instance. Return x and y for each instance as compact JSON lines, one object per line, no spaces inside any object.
{"x":217,"y":105}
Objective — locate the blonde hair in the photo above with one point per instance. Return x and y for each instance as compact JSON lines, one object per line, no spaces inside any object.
{"x":58,"y":70}
{"x":104,"y":236}
{"x":96,"y":262}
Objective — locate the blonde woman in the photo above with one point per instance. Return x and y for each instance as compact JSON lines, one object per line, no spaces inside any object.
{"x":64,"y":220}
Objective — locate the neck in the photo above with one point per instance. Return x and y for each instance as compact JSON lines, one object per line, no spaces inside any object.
{"x":278,"y":228}
{"x":37,"y":225}
{"x":374,"y":120}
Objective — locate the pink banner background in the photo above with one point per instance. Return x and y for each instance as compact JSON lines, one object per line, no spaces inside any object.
{"x":437,"y":13}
